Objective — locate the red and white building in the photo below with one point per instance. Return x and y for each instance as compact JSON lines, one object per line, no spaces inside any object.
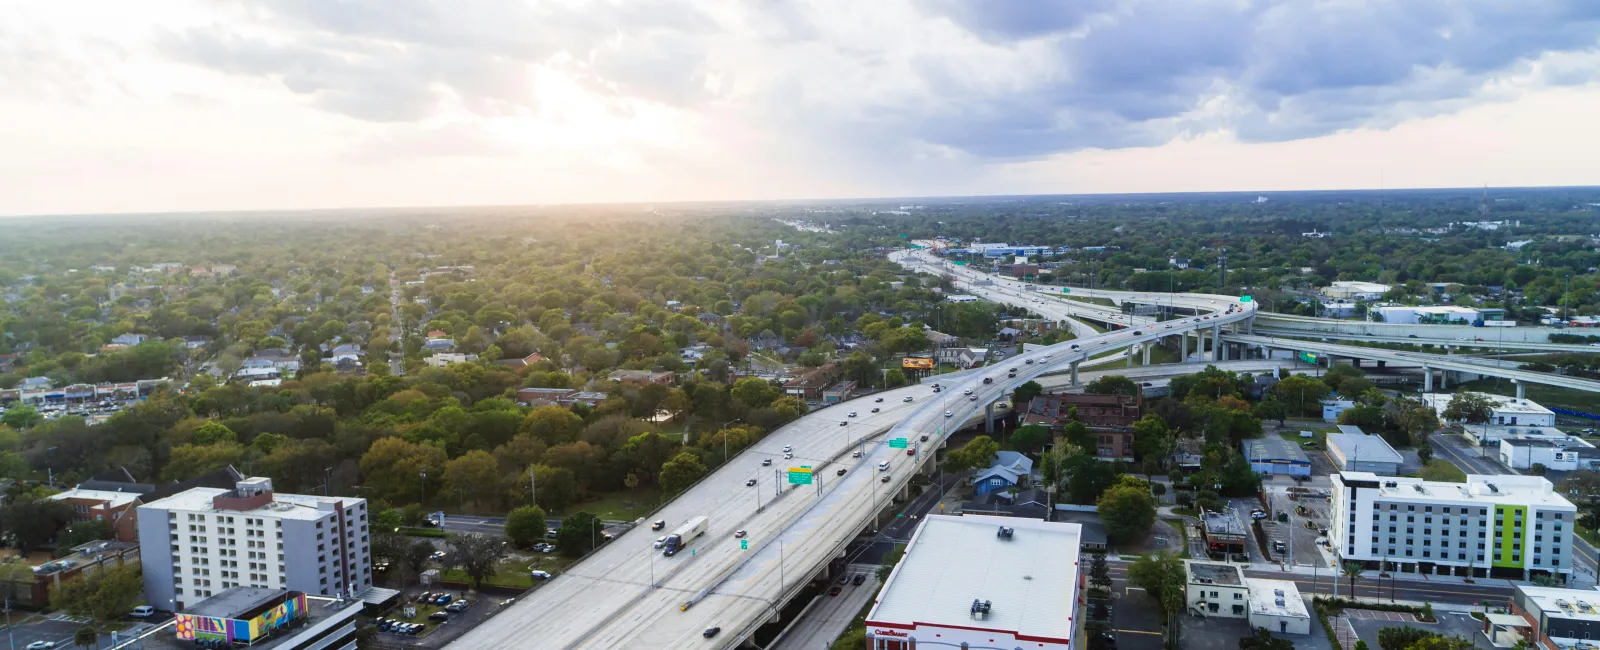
{"x":966,"y":583}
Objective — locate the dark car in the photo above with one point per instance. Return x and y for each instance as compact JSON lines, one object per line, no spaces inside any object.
{"x":439,"y":616}
{"x":860,"y":578}
{"x":924,"y":437}
{"x":844,"y":579}
{"x":880,"y":399}
{"x":834,"y":591}
{"x":458,"y":606}
{"x":659,"y":524}
{"x":443,"y":599}
{"x":841,"y":471}
{"x":885,"y":479}
{"x":749,"y":482}
{"x":710,"y":632}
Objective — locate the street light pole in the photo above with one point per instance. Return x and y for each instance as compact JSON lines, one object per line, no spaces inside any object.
{"x":724,"y":432}
{"x":422,"y":487}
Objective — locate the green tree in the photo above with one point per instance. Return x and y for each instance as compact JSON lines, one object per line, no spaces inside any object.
{"x":1303,"y":395}
{"x":579,"y":534}
{"x":1127,"y":509}
{"x":21,"y":417}
{"x":1099,"y":572}
{"x":1163,"y":576}
{"x":1469,"y":408}
{"x":1401,"y":638}
{"x":754,"y":392}
{"x":1030,"y":438}
{"x":34,"y":520}
{"x":1352,"y":570}
{"x":978,"y":452}
{"x":213,"y":432}
{"x":680,"y":472}
{"x":101,"y":595}
{"x":82,"y":533}
{"x":1152,"y":438}
{"x":1424,"y":453}
{"x":86,"y":637}
{"x":475,"y":476}
{"x":525,"y":525}
{"x":1024,"y":393}
{"x":1270,"y":409}
{"x":1112,"y":385}
{"x":557,"y":487}
{"x":478,"y":556}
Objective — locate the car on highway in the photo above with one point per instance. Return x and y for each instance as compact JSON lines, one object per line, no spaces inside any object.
{"x":885,"y":479}
{"x":924,"y":437}
{"x":788,"y":448}
{"x":659,"y":524}
{"x":834,"y":591}
{"x":948,"y":414}
{"x":659,"y":541}
{"x":766,"y":462}
{"x":972,"y":398}
{"x":880,"y":399}
{"x":967,"y":392}
{"x":739,"y":534}
{"x":1138,"y":333}
{"x":852,"y":414}
{"x":907,"y":399}
{"x":860,"y":578}
{"x":841,"y":471}
{"x":710,"y":632}
{"x":750,"y":483}
{"x":1028,"y":361}
{"x":844,"y":423}
{"x":876,"y":409}
{"x":855,"y":454}
{"x":883,"y":464}
{"x":788,"y":455}
{"x":1074,"y":346}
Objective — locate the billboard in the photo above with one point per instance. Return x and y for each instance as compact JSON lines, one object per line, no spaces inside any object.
{"x":916,"y":363}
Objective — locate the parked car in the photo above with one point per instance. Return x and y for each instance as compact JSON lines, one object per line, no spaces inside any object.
{"x":439,"y":616}
{"x":539,"y":575}
{"x":142,"y":611}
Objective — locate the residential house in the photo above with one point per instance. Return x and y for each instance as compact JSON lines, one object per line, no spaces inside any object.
{"x":520,"y":362}
{"x":840,"y":391}
{"x":443,"y":359}
{"x":963,"y":357}
{"x":33,"y":589}
{"x":196,"y":342}
{"x":544,"y":396}
{"x":809,"y":385}
{"x":129,"y":339}
{"x":1028,"y":504}
{"x":439,"y":345}
{"x":940,"y":338}
{"x":1010,"y":470}
{"x":642,"y":377}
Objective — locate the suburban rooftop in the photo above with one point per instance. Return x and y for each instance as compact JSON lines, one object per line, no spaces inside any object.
{"x":1031,"y":579}
{"x":1217,"y":574}
{"x":1363,"y":448}
{"x":1276,"y":598}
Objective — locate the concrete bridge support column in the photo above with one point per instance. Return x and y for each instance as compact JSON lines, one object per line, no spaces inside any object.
{"x":1444,"y":380}
{"x":1522,"y":389}
{"x":1448,"y":350}
{"x":1075,"y":373}
{"x":1129,"y":354}
{"x":1216,"y":343}
{"x":1147,"y":347}
{"x":1427,"y":379}
{"x":1355,"y":362}
{"x":1381,"y":364}
{"x":988,"y":418}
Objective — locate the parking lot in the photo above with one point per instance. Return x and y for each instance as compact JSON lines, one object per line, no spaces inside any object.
{"x":1366,"y":626}
{"x":439,"y":625}
{"x":59,"y":631}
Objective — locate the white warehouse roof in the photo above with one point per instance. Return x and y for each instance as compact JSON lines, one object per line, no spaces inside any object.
{"x":1362,"y":448}
{"x":1030,"y":579}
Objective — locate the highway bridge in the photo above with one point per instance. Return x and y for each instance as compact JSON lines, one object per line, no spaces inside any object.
{"x":1429,"y":362}
{"x":627,"y":595}
{"x":1483,"y":338}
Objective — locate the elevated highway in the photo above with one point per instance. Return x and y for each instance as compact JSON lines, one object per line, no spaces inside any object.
{"x":626,"y":595}
{"x":1483,"y":338}
{"x":1429,"y":362}
{"x":1341,"y":328}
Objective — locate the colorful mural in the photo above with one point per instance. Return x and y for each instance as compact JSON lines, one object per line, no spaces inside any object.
{"x":192,"y":627}
{"x":272,"y":619}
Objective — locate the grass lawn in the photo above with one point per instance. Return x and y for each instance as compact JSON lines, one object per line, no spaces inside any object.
{"x":623,"y":505}
{"x":1566,"y":398}
{"x":1187,"y":512}
{"x":513,"y":571}
{"x":1440,"y":469}
{"x":1589,"y":535}
{"x":1160,"y":354}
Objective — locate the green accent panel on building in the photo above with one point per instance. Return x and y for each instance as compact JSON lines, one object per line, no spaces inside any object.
{"x":1503,"y":539}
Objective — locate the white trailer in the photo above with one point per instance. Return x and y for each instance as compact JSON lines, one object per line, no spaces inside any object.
{"x":680,"y":538}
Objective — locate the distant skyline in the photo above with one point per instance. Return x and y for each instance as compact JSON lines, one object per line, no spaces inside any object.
{"x":191,"y":105}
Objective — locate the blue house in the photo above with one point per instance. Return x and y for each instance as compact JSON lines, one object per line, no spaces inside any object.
{"x":1009,"y":471}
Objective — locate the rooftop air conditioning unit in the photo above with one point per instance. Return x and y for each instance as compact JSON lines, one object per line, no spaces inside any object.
{"x":1005,"y":532}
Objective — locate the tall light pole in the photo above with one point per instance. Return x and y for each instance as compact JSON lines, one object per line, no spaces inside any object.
{"x":422,"y":487}
{"x":724,"y":431}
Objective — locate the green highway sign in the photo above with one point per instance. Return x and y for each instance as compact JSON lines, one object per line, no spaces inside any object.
{"x":897,"y":443}
{"x":744,"y":544}
{"x":1245,"y":299}
{"x":1308,"y":357}
{"x":800,"y":476}
{"x":1065,"y":290}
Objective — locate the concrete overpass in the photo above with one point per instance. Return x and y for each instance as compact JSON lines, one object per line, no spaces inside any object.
{"x":1429,"y":362}
{"x":1483,"y":338}
{"x":627,"y":595}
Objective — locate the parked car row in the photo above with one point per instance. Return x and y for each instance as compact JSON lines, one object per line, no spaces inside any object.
{"x":399,"y":627}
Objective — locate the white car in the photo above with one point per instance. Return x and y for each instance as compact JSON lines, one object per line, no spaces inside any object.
{"x":852,"y":414}
{"x":948,"y":414}
{"x":142,"y":611}
{"x":907,"y":399}
{"x":659,"y":541}
{"x":967,"y":392}
{"x":539,"y":575}
{"x":788,"y":448}
{"x":41,"y":645}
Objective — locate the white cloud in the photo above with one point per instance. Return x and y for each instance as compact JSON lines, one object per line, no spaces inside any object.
{"x":193,"y":104}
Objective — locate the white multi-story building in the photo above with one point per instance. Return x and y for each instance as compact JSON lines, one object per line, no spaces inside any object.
{"x":199,"y":542}
{"x":1507,"y":411}
{"x":1217,"y":590}
{"x":1509,"y":525}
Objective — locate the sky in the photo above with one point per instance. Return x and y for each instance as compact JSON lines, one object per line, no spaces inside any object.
{"x":181,"y":105}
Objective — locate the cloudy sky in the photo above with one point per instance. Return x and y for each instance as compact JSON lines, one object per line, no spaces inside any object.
{"x":117,"y":106}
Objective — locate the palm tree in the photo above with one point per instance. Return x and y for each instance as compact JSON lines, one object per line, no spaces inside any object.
{"x":1352,"y":570}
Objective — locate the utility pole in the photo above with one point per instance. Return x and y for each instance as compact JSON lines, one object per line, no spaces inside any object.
{"x":533,"y":493}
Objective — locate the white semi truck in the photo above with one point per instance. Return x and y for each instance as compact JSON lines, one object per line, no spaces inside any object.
{"x":680,"y":538}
